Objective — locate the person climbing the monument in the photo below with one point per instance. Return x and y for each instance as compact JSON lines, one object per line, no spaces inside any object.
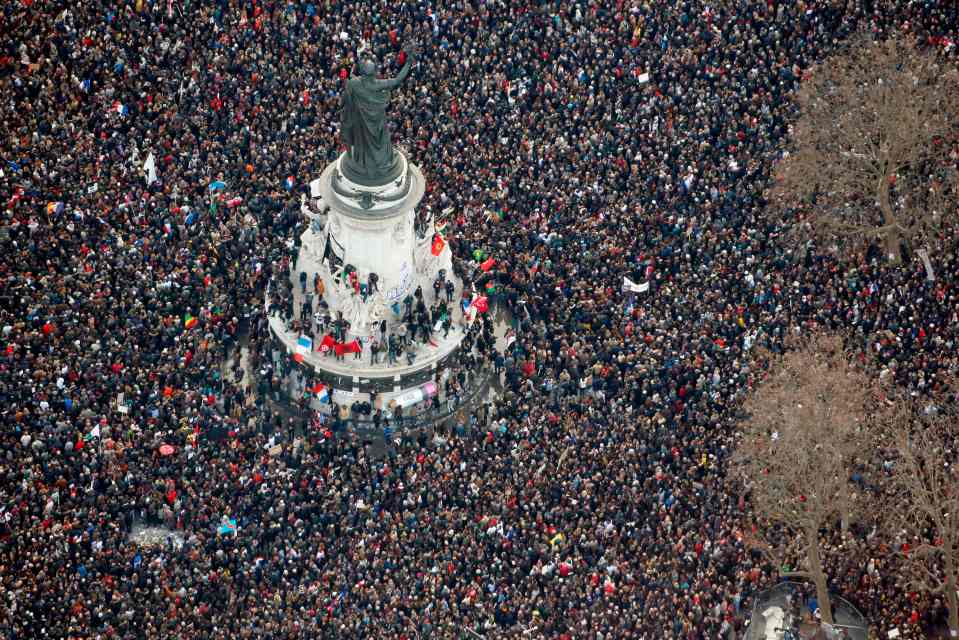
{"x":450,"y":289}
{"x":391,"y":348}
{"x":318,"y":287}
{"x":339,"y":327}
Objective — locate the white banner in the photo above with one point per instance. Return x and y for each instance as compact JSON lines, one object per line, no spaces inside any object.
{"x":409,"y":398}
{"x":150,"y":169}
{"x":930,"y":273}
{"x":629,"y":285}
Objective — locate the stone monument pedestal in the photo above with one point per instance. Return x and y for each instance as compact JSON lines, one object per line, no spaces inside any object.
{"x":371,"y":254}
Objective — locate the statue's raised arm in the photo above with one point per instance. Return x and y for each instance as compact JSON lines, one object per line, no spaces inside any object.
{"x":370,"y":158}
{"x":405,"y":71}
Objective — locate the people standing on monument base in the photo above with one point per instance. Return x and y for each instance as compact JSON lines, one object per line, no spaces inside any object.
{"x":554,"y":515}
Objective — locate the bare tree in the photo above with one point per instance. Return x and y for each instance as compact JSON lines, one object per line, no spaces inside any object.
{"x":869,"y":153}
{"x":926,"y":492}
{"x":803,"y":431}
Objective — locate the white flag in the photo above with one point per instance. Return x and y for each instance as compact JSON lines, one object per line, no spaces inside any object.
{"x":930,"y":273}
{"x":629,"y":285}
{"x":304,"y":210}
{"x":643,"y":78}
{"x":95,"y":433}
{"x":150,"y":168}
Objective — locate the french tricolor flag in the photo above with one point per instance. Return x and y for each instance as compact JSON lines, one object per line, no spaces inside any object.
{"x":289,"y":182}
{"x":304,"y":346}
{"x":322,"y":392}
{"x":119,"y":107}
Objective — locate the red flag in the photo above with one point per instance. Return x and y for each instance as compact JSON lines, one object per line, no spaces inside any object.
{"x":481,"y":303}
{"x":327,"y":343}
{"x":339,"y":348}
{"x":487,"y":264}
{"x":354,"y":347}
{"x":438,"y":244}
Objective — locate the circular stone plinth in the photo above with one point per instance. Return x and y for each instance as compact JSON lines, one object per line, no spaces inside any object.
{"x":364,"y":202}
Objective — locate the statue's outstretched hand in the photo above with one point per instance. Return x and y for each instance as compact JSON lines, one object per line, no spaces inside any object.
{"x":411,"y":49}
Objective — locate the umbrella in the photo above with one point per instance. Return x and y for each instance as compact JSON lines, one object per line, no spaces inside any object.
{"x":166,"y":450}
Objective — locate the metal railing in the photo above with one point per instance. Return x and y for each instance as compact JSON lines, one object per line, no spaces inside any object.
{"x":856,"y":628}
{"x":366,"y":427}
{"x":429,"y":417}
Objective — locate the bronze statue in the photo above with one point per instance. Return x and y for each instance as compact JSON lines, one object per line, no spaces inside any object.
{"x":370,"y":159}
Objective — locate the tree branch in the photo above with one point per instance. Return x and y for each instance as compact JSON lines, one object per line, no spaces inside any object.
{"x":805,"y":575}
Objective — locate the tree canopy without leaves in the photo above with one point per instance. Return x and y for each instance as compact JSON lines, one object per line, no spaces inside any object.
{"x":804,"y":430}
{"x":869,"y":156}
{"x":926,"y":492}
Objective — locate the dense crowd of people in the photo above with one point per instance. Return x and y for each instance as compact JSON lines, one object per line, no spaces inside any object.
{"x":591,"y":500}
